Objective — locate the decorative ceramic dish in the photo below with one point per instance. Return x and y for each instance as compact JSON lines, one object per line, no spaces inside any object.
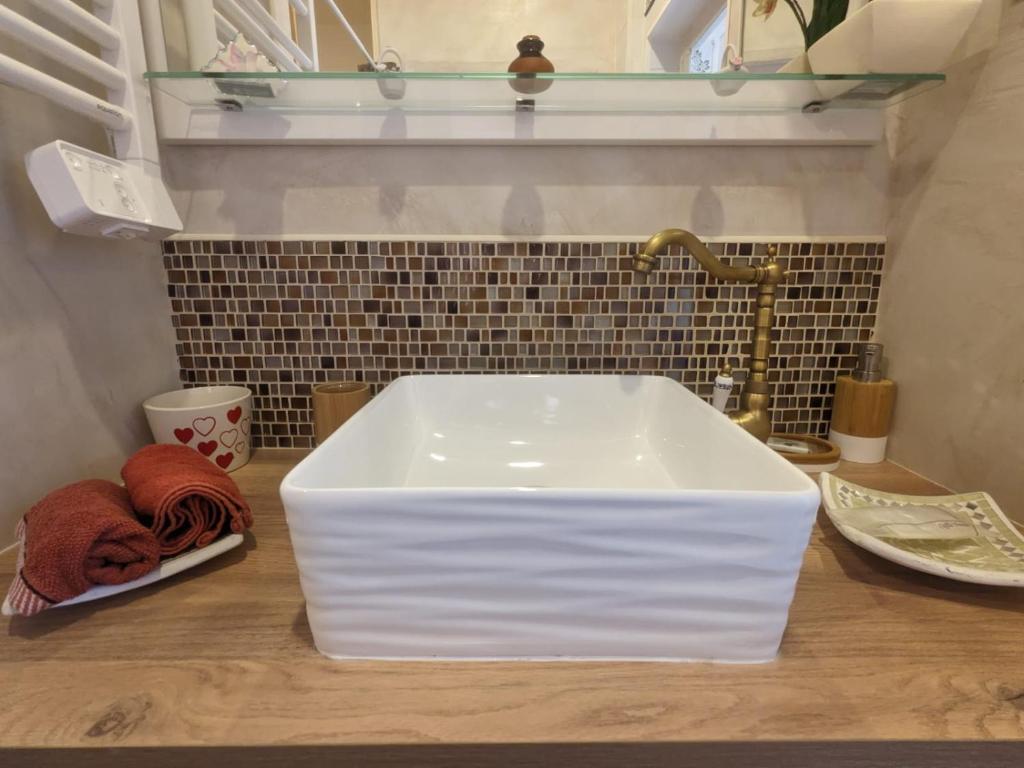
{"x":167,"y":568}
{"x":964,"y":537}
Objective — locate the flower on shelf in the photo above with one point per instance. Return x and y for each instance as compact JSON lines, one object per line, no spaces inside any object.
{"x":239,"y":55}
{"x":826,"y":15}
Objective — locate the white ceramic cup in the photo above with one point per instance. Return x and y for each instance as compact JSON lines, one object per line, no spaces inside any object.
{"x":215,"y":421}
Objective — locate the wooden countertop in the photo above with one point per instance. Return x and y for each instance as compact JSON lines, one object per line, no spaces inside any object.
{"x":221,"y":657}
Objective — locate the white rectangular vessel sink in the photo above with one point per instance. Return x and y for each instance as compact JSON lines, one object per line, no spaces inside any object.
{"x":547,"y":517}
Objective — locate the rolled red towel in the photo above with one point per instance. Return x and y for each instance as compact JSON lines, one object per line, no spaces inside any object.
{"x":76,"y":537}
{"x":183,"y":498}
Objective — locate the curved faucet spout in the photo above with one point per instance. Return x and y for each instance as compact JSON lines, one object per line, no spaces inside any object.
{"x":647,"y":259}
{"x":754,"y":414}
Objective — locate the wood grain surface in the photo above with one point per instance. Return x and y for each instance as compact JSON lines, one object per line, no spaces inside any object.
{"x":219,"y":661}
{"x":863,"y":409}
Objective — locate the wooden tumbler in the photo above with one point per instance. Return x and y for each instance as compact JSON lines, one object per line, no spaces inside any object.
{"x":335,"y":403}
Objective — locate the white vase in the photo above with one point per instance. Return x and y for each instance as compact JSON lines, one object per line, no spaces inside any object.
{"x":894,"y":37}
{"x":799,"y":65}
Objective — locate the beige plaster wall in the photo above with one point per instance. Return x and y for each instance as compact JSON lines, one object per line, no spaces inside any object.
{"x":474,"y":36}
{"x":85,"y":333}
{"x":953,"y":300}
{"x":529,"y":191}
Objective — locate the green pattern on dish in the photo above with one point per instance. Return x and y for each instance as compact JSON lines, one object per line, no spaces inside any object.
{"x":994,"y":544}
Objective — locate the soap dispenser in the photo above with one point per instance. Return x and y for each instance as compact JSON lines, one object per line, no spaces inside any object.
{"x":862,"y":409}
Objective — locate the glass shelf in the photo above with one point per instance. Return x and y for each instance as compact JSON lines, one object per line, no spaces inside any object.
{"x":561,"y":93}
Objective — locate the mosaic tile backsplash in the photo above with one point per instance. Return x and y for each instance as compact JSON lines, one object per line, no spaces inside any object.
{"x":280,"y":316}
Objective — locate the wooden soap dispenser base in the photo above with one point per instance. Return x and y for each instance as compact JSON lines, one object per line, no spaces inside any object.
{"x":862,"y":409}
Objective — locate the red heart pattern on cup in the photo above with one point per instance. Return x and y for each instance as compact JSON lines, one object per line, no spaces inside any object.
{"x":233,"y":439}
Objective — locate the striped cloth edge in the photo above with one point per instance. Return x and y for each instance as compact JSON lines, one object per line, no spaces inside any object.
{"x":21,"y":600}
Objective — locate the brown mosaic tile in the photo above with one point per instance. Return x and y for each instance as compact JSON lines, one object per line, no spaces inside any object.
{"x":279,"y":316}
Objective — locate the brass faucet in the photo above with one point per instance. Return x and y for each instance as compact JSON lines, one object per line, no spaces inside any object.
{"x":754,"y":414}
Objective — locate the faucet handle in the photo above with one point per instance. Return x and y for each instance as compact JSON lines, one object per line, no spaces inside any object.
{"x":771,"y":271}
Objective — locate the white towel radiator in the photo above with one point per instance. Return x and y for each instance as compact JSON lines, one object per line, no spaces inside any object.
{"x":83,"y":191}
{"x":268,"y":25}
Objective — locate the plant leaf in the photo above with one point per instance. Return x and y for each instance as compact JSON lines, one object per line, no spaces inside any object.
{"x":827,"y":15}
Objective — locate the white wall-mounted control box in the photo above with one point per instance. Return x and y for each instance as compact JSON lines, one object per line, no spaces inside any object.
{"x":86,"y":193}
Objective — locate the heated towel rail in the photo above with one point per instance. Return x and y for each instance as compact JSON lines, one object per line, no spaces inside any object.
{"x":114,"y":28}
{"x":113,"y":58}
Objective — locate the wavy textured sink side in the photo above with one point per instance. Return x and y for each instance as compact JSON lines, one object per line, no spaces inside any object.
{"x":490,"y":575}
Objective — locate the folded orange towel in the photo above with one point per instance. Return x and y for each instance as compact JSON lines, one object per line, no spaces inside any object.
{"x":76,"y":537}
{"x":183,"y":498}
